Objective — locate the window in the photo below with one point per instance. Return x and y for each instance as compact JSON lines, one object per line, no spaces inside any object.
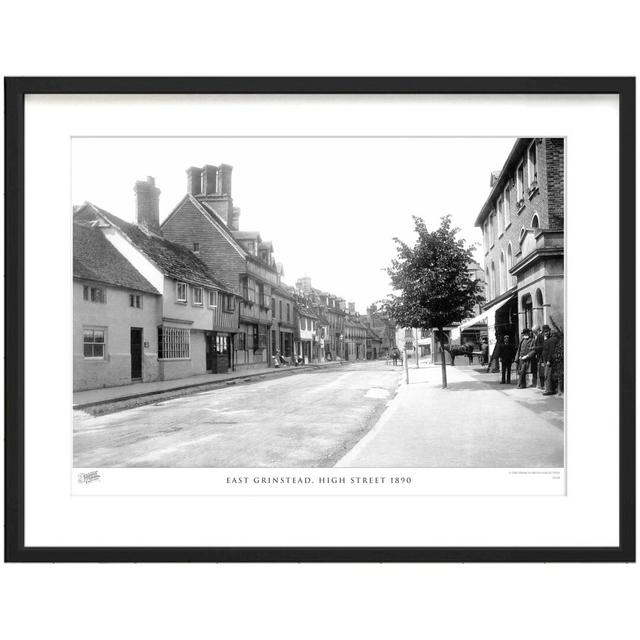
{"x":492,"y":228}
{"x":196,"y":247}
{"x":500,"y":215}
{"x":229,"y":303}
{"x":535,"y":222}
{"x":248,"y":289}
{"x":273,"y":307}
{"x":262,"y":299}
{"x":532,"y":167}
{"x":280,"y":304}
{"x":520,"y":183}
{"x":197,"y":296}
{"x":503,"y":273}
{"x":212,"y":299}
{"x":94,"y":294}
{"x":241,"y":341}
{"x":511,"y":279}
{"x":173,"y":343}
{"x":262,"y":337}
{"x":288,"y":312}
{"x":181,"y":291}
{"x":408,"y":333}
{"x":494,"y":288}
{"x":505,"y":208}
{"x":135,"y":300}
{"x":93,"y":343}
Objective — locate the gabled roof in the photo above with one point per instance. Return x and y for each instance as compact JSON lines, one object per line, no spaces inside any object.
{"x":95,"y":258}
{"x":174,"y":260}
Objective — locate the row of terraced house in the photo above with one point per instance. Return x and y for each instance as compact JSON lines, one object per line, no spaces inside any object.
{"x":197,"y":294}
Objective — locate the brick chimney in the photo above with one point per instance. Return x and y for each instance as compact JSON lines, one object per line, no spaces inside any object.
{"x":225,"y":179}
{"x":194,"y":181}
{"x":148,"y":205}
{"x":234,"y":224}
{"x":209,"y":179}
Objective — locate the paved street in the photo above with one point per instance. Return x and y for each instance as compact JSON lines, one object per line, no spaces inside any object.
{"x":304,"y":420}
{"x":475,"y":422}
{"x":325,"y":418}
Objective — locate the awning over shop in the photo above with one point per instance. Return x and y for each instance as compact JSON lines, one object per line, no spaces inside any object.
{"x":488,"y":316}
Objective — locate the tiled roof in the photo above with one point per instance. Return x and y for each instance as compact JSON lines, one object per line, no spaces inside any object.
{"x":95,"y":258}
{"x":174,"y":260}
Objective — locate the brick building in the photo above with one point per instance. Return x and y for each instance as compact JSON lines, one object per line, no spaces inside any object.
{"x":207,"y":222}
{"x":522,"y":223}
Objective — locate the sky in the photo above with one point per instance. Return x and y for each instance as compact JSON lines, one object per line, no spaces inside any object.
{"x":331,"y":206}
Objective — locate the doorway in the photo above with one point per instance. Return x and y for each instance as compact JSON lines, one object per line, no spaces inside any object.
{"x":136,"y":353}
{"x":210,"y":351}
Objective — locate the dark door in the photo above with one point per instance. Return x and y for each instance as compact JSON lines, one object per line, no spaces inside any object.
{"x":136,"y":353}
{"x":211,"y":351}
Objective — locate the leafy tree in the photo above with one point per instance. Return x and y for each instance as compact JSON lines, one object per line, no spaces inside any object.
{"x":432,"y":281}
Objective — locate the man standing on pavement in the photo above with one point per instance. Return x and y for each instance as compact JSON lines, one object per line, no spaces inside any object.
{"x":506,"y":353}
{"x":523,"y":357}
{"x":548,"y":350}
{"x":536,"y":337}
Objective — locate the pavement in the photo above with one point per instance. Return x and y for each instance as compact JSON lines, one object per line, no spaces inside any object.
{"x":308,"y":420}
{"x":474,"y":422}
{"x":141,"y":390}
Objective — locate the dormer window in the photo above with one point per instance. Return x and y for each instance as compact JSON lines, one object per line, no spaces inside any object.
{"x":196,"y":247}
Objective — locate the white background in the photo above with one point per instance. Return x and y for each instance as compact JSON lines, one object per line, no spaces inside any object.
{"x":320,"y":601}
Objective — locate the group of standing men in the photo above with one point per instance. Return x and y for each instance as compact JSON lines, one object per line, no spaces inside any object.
{"x":539,"y":352}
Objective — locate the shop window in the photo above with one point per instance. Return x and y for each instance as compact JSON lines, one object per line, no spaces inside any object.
{"x":173,"y":343}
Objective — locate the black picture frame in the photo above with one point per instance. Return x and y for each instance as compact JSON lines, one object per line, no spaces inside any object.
{"x":15,"y":91}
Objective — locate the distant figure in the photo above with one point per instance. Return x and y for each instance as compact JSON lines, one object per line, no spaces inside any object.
{"x":484,"y":358}
{"x":395,"y":354}
{"x":506,"y":353}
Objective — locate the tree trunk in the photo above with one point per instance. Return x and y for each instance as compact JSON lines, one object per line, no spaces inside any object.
{"x":442,"y":353}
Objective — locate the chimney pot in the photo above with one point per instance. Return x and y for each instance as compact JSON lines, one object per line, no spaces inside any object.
{"x":209,"y":179}
{"x":194,"y":181}
{"x":225,"y":179}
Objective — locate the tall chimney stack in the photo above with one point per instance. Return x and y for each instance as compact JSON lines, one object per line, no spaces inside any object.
{"x":209,"y":179}
{"x":225,"y":179}
{"x":148,"y":205}
{"x":194,"y":181}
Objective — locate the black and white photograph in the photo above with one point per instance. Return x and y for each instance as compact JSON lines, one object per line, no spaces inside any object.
{"x":304,"y":302}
